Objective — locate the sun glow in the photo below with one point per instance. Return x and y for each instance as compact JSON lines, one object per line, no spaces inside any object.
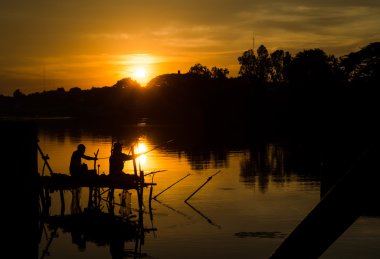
{"x":139,"y":67}
{"x":141,"y":148}
{"x":140,"y":73}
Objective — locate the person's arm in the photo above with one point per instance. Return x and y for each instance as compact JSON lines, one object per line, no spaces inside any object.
{"x":89,"y":157}
{"x":127,"y":157}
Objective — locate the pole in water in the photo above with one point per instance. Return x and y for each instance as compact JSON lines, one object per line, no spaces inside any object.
{"x":171,"y":185}
{"x":202,"y":185}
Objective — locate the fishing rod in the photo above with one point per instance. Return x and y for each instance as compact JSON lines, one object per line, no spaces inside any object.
{"x":143,"y":153}
{"x":202,"y":185}
{"x":163,"y":144}
{"x":171,"y":185}
{"x":156,"y":147}
{"x":154,"y":172}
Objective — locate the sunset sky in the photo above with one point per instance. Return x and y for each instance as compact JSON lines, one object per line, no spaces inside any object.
{"x":46,"y":44}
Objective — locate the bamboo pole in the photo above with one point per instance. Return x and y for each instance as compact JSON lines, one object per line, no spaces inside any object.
{"x":202,"y":185}
{"x":171,"y":186}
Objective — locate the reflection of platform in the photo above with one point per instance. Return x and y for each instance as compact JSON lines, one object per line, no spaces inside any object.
{"x":103,"y":229}
{"x":64,"y":182}
{"x":95,"y":226}
{"x":99,"y":227}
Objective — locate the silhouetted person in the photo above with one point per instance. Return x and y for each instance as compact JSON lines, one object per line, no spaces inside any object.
{"x":78,"y":168}
{"x":117,"y":160}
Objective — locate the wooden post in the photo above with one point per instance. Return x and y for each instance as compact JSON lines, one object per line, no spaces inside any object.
{"x":61,"y":195}
{"x":134,"y":162}
{"x":139,"y":183}
{"x":21,"y":190}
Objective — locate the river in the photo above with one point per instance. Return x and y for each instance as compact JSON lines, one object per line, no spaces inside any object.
{"x":245,"y":192}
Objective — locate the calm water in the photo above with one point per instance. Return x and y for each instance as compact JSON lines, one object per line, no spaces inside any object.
{"x":255,"y":192}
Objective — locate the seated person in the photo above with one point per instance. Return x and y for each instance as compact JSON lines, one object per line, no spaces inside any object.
{"x":117,"y":160}
{"x":77,"y":168}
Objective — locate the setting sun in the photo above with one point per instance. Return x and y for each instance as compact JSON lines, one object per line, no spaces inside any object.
{"x":139,"y":67}
{"x":140,"y":73}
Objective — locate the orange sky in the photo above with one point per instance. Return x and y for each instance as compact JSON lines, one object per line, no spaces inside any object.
{"x":48,"y":44}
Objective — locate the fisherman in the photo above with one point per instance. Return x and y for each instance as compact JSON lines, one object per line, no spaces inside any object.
{"x":117,"y":160}
{"x":78,"y":168}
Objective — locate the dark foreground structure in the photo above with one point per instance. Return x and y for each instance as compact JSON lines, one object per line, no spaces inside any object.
{"x":355,"y":193}
{"x":20,"y":196}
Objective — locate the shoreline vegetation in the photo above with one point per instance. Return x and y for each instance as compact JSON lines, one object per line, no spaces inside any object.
{"x":308,"y":92}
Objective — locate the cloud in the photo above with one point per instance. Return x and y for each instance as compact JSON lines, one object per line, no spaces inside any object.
{"x":83,"y":39}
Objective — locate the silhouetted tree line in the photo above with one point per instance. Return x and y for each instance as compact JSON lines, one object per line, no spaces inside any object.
{"x":272,"y":88}
{"x":121,"y":98}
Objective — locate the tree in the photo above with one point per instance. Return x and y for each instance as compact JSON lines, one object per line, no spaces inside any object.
{"x":364,"y":65}
{"x":336,"y":68}
{"x":75,"y":90}
{"x":264,"y":64}
{"x":126,"y":82}
{"x":277,"y":58}
{"x":280,"y":65}
{"x":310,"y":67}
{"x":18,"y":94}
{"x":248,"y":65}
{"x":200,"y":70}
{"x":219,"y":73}
{"x":286,"y":66}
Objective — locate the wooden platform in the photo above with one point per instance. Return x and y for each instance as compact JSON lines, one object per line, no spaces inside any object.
{"x":65,"y":182}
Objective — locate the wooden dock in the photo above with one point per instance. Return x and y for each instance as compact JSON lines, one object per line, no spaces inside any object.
{"x":57,"y":181}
